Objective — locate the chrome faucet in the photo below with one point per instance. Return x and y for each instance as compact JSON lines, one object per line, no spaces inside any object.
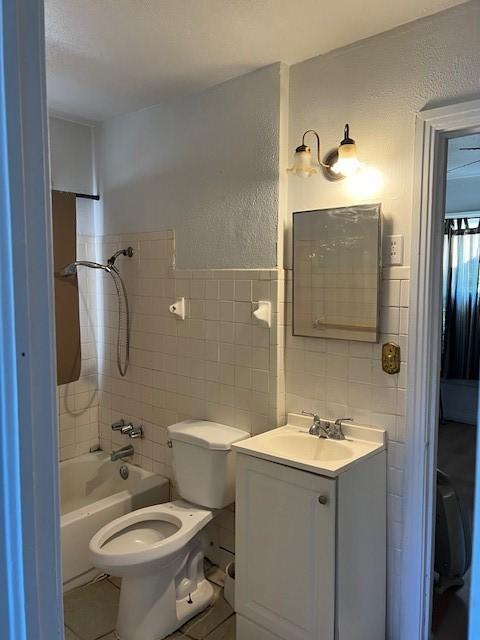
{"x":128,"y":429}
{"x":120,"y":425}
{"x":322,"y":430}
{"x":124,"y":452}
{"x":336,"y":431}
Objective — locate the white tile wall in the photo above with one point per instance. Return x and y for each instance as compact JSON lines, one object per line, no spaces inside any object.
{"x":219,"y":364}
{"x":78,"y":401}
{"x":343,"y":378}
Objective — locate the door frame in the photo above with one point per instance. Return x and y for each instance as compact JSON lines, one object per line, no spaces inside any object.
{"x":432,"y":130}
{"x":30,"y":568}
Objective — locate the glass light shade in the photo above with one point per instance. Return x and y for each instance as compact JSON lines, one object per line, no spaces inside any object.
{"x":302,"y":163}
{"x":347,"y":162}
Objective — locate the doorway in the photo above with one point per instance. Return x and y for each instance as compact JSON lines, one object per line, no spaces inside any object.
{"x":459,"y":374}
{"x":434,"y":129}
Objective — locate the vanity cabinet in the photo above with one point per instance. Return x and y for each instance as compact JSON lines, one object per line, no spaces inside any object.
{"x":310,"y":551}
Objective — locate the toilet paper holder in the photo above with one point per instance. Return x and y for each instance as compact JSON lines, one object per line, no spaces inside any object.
{"x":263,"y":312}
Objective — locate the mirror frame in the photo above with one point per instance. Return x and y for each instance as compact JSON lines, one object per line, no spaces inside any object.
{"x":359,"y":208}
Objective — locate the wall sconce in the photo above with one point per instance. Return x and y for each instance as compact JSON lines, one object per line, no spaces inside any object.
{"x":340,"y":163}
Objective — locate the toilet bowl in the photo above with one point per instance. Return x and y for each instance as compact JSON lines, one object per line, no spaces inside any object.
{"x":159,"y":550}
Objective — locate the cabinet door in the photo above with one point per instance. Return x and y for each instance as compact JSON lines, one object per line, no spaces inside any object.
{"x":285,"y":549}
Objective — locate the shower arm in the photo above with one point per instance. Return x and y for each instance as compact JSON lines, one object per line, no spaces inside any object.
{"x":122,"y":252}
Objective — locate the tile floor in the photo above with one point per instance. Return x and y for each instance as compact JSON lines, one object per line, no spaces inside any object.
{"x":456,"y":457}
{"x":91,"y":611}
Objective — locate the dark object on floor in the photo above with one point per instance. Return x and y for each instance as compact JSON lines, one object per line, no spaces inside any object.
{"x":453,"y":536}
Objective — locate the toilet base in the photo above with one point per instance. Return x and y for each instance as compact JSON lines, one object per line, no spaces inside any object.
{"x":153,"y":618}
{"x":200,"y":600}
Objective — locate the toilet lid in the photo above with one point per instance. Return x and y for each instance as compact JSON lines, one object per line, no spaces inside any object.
{"x":203,"y":433}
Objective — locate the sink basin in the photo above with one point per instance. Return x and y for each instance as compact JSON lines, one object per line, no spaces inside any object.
{"x":302,"y":445}
{"x":292,"y":445}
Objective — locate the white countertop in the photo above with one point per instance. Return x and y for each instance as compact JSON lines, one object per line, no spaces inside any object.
{"x":292,"y":446}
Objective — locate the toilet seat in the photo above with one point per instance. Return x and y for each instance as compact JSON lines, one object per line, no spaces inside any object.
{"x":152,"y":535}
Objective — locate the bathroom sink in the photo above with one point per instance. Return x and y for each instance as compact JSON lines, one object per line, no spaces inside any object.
{"x":293,"y":446}
{"x":301,"y":444}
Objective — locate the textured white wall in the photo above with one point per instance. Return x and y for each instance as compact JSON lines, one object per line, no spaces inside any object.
{"x":72,"y":166}
{"x":206,"y":166}
{"x":378,"y":85}
{"x":71,"y":155}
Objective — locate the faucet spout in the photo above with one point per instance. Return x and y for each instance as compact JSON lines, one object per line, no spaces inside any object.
{"x":318,"y":428}
{"x":124,"y":452}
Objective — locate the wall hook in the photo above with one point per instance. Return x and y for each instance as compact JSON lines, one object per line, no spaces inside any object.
{"x":178,"y":308}
{"x":263,"y":312}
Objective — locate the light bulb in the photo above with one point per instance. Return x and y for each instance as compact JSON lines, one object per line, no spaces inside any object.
{"x":365,"y":182}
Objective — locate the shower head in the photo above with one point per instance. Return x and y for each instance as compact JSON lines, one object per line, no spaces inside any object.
{"x":69,"y":270}
{"x":123,"y":252}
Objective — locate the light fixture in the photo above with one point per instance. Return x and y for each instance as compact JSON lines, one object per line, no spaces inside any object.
{"x":347,"y":162}
{"x":302,"y":163}
{"x":340,"y":163}
{"x":366,"y":182}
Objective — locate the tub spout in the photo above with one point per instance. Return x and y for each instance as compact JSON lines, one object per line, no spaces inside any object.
{"x":122,"y":453}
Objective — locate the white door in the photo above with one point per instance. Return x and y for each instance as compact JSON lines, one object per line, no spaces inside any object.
{"x":285,"y":549}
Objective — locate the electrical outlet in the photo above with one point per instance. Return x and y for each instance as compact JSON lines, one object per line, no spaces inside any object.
{"x":394,"y":250}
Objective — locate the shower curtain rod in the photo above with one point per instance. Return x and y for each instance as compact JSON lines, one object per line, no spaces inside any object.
{"x":87,"y":195}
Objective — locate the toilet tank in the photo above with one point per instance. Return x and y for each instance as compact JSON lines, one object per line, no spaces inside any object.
{"x":203,"y":461}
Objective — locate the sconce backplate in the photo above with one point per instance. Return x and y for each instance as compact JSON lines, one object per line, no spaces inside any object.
{"x":330,"y":159}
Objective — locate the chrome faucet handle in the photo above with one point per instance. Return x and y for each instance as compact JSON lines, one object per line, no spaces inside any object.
{"x":136,"y":432}
{"x":315,"y":416}
{"x":118,"y":426}
{"x":127,"y":429}
{"x":337,"y":432}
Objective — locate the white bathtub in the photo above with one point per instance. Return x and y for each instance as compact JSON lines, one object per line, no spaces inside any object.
{"x":92,"y":494}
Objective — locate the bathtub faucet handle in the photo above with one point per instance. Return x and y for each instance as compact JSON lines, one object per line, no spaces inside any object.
{"x":136,"y":432}
{"x":127,"y":429}
{"x":117,"y":426}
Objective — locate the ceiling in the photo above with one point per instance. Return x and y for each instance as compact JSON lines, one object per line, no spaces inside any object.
{"x":459,"y":160}
{"x":107,"y":57}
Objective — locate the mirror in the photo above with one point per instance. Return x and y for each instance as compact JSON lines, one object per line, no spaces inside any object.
{"x":336,"y":273}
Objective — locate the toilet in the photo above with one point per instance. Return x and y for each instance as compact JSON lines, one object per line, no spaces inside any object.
{"x":158,"y":551}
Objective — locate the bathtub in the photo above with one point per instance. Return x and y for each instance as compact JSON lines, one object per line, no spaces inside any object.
{"x":92,"y":494}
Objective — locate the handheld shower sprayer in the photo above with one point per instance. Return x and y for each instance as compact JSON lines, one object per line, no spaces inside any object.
{"x":123,"y":326}
{"x":71,"y":269}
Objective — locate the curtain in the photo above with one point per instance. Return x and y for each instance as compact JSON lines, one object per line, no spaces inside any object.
{"x":67,"y":320}
{"x":461,"y":308}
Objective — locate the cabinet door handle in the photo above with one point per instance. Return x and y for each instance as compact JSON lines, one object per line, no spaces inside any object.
{"x":323,"y":499}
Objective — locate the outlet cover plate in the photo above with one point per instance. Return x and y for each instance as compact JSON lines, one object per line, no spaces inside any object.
{"x":394,"y":250}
